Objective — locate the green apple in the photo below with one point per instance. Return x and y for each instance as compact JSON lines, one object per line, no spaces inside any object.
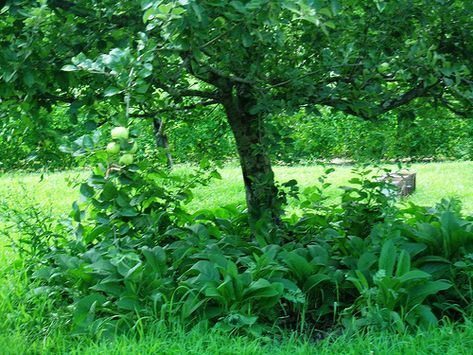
{"x":383,"y":67}
{"x":126,"y":159}
{"x":120,"y":133}
{"x":134,"y":148}
{"x":113,"y":148}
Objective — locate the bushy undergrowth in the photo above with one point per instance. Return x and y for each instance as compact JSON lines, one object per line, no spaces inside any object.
{"x":130,"y":255}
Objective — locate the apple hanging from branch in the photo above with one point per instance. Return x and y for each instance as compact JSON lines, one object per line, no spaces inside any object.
{"x":120,"y":133}
{"x":126,"y":159}
{"x":113,"y":148}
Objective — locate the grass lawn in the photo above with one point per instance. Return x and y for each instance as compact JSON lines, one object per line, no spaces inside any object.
{"x":18,"y":325}
{"x":444,"y":340}
{"x":434,"y":182}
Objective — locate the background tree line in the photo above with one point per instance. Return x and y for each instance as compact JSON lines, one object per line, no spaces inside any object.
{"x":297,"y":138}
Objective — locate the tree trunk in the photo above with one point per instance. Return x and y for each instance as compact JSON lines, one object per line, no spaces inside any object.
{"x":248,"y":130}
{"x":162,"y":140}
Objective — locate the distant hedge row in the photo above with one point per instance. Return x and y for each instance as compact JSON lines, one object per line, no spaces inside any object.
{"x":297,"y":138}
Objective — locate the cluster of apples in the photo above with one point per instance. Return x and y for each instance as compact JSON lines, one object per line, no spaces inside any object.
{"x":120,"y":136}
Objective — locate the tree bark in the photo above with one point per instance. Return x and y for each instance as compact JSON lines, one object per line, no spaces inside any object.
{"x":248,"y":129}
{"x":162,"y":140}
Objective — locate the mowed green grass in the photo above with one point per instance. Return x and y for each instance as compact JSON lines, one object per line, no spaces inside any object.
{"x":445,"y":340}
{"x":21,"y":329}
{"x":434,"y":182}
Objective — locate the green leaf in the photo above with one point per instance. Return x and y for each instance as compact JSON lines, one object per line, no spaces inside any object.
{"x":88,"y":142}
{"x":87,"y":191}
{"x":263,"y":229}
{"x":133,"y":273}
{"x":128,"y":212}
{"x":69,"y":67}
{"x":98,"y":231}
{"x":192,"y":304}
{"x":419,"y":293}
{"x":414,"y":275}
{"x":111,"y":91}
{"x":366,"y":261}
{"x":426,"y":316}
{"x":43,"y":273}
{"x":387,"y":258}
{"x":76,"y":213}
{"x":247,"y":40}
{"x":238,"y":5}
{"x":28,"y":78}
{"x":298,"y":265}
{"x":130,"y":303}
{"x":149,"y":14}
{"x":360,"y":281}
{"x":85,"y":308}
{"x":262,"y":288}
{"x":380,"y":5}
{"x":334,"y":7}
{"x":403,"y":264}
{"x":111,"y":288}
{"x":207,"y":270}
{"x":155,"y":257}
{"x":314,"y":281}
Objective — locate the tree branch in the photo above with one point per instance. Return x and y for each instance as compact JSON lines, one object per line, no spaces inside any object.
{"x":407,"y":97}
{"x":386,"y":106}
{"x":149,"y":114}
{"x":275,"y":84}
{"x":216,"y":77}
{"x":343,"y":106}
{"x":464,"y":114}
{"x":212,"y":95}
{"x":216,"y":38}
{"x":198,"y":93}
{"x":229,"y":77}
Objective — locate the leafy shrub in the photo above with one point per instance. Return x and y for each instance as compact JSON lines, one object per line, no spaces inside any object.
{"x":130,"y":254}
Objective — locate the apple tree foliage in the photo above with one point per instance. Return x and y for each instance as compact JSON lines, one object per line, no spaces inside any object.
{"x":253,"y":58}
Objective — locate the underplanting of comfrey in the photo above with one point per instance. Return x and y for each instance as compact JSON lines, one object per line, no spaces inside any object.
{"x":130,"y":255}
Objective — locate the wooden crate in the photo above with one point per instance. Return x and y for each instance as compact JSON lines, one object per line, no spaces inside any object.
{"x":405,"y":181}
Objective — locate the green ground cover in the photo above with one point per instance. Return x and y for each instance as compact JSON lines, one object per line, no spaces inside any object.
{"x":26,"y":333}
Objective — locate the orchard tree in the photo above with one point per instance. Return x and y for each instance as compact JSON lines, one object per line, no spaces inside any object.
{"x":254,"y":58}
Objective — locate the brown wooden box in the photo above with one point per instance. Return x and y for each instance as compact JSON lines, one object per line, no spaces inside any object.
{"x":405,"y":181}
